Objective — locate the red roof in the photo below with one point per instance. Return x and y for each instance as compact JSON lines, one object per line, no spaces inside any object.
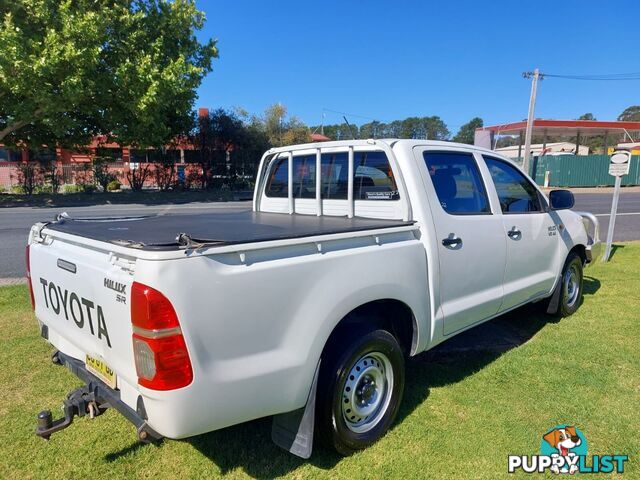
{"x":564,"y":127}
{"x":317,"y":137}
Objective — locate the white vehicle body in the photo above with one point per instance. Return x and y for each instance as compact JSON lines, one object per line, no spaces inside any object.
{"x":256,"y":315}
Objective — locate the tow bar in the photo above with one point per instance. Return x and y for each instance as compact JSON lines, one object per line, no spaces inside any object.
{"x":92,"y":400}
{"x":80,"y":402}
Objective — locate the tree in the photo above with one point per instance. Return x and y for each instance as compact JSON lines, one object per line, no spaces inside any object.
{"x":218,"y":133}
{"x":72,"y":69}
{"x":630,"y":114}
{"x":282,"y":131}
{"x":587,"y":116}
{"x":467,"y":132}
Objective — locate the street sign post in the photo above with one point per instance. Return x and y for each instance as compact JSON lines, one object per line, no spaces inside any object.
{"x":619,"y":166}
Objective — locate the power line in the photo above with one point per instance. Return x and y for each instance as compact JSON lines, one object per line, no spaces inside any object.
{"x":610,"y":77}
{"x":350,"y":114}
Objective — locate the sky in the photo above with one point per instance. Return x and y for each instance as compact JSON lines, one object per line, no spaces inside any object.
{"x":389,"y":60}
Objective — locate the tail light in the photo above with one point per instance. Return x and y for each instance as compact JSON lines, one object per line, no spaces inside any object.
{"x":27,"y":257}
{"x":160,"y":352}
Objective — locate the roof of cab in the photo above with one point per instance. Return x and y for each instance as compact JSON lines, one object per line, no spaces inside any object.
{"x":391,"y":142}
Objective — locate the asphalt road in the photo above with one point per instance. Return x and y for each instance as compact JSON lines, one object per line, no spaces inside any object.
{"x":15,"y":222}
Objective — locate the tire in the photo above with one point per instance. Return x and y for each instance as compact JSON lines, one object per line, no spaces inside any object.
{"x":570,"y":286}
{"x":360,"y":389}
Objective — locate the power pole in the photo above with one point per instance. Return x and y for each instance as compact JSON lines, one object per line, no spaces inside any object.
{"x":532,"y":106}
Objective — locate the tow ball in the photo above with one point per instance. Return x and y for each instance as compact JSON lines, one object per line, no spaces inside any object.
{"x":80,"y":402}
{"x":92,"y":400}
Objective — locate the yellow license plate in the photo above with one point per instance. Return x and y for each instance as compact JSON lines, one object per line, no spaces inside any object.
{"x":101,"y":370}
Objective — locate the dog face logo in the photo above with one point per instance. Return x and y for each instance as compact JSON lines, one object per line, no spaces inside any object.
{"x":563,"y":439}
{"x":567,"y":442}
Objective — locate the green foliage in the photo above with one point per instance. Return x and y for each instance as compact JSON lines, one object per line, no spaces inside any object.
{"x":432,"y":128}
{"x":72,"y":188}
{"x":467,"y":132}
{"x":101,"y":174}
{"x":631,"y":114}
{"x":230,"y":145}
{"x":29,"y":177}
{"x":71,"y":69}
{"x":282,"y":130}
{"x":113,"y":186}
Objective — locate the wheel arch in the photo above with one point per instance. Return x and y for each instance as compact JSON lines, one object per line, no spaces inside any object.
{"x":581,"y":250}
{"x":391,"y":314}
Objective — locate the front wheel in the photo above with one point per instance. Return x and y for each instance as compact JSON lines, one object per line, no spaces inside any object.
{"x":361,"y":386}
{"x":570,"y":286}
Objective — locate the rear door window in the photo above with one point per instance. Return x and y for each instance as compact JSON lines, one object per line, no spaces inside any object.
{"x":457,"y":181}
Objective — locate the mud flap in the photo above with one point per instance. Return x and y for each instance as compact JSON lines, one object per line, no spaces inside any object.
{"x":554,"y":301}
{"x":293,"y":431}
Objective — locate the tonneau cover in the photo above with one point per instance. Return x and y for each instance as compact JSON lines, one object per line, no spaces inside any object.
{"x":159,"y":232}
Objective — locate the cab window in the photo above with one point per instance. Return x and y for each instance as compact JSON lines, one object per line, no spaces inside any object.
{"x":304,"y":177}
{"x":457,"y":181}
{"x":372,"y":177}
{"x":515,"y":191}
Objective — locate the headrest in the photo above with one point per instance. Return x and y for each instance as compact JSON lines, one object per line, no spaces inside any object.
{"x":445,"y":184}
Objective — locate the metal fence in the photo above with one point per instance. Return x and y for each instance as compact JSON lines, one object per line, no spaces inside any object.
{"x":580,"y":171}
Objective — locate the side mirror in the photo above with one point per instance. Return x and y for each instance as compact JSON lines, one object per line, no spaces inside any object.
{"x":561,"y":199}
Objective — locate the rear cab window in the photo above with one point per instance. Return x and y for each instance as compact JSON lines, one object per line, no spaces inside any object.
{"x":373,"y":177}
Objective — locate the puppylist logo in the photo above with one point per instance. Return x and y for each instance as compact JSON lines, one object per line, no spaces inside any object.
{"x":564,"y":450}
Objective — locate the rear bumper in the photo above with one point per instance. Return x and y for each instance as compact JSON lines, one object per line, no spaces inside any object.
{"x":104,"y":396}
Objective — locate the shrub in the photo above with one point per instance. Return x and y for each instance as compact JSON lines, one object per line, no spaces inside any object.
{"x":45,"y":189}
{"x":137,"y":176}
{"x":52,"y":177}
{"x":113,"y":185}
{"x":29,"y":176}
{"x":88,"y":189}
{"x":17,"y":189}
{"x":101,"y":174}
{"x":71,"y":188}
{"x":165,"y":173}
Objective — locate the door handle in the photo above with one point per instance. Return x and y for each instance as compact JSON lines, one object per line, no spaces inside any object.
{"x":451,"y":241}
{"x":514,"y":233}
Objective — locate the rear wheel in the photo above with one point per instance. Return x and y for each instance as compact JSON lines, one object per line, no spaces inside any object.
{"x":361,"y":385}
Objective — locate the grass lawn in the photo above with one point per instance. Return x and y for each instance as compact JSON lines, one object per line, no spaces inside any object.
{"x":462,"y":415}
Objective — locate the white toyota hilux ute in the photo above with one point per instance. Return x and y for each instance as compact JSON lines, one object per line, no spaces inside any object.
{"x":354,"y":256}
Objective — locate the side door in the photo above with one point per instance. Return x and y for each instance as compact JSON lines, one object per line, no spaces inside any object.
{"x":470,"y":239}
{"x":531,"y":233}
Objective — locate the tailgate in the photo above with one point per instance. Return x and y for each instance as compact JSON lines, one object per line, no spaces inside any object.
{"x":83,"y":300}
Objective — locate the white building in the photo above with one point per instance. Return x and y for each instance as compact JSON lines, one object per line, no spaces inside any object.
{"x":554,"y":148}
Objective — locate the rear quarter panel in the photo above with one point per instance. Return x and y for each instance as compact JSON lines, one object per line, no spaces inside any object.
{"x":255,"y":330}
